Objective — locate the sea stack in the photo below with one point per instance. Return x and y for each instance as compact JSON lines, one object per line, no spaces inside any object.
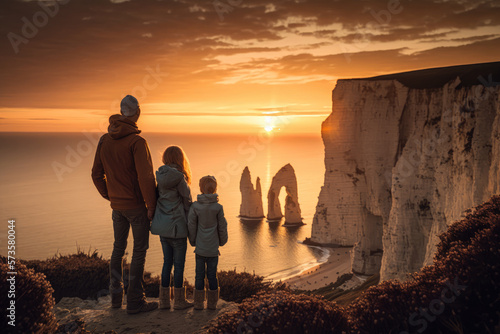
{"x":405,"y":155}
{"x":251,"y":199}
{"x":284,"y":178}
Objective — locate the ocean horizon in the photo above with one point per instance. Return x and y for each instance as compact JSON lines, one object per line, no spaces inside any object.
{"x":47,"y":189}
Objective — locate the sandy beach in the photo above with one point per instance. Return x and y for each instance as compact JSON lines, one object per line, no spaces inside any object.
{"x":338,"y":263}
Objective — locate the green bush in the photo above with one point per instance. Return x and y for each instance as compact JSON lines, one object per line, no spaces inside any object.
{"x":33,"y":300}
{"x":282,"y":312}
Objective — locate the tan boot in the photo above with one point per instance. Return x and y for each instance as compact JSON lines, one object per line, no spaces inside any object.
{"x":199,"y":299}
{"x":180,"y":302}
{"x":164,"y":297}
{"x":212,"y":298}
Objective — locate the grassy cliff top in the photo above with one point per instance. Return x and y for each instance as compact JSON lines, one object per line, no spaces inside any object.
{"x":487,"y":74}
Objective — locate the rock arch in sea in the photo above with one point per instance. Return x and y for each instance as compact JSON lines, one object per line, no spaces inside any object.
{"x":284,"y":178}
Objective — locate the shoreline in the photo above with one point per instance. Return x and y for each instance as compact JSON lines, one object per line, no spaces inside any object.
{"x":286,"y":274}
{"x":320,"y":275}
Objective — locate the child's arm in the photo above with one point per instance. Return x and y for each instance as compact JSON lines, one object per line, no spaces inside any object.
{"x":222,"y":227}
{"x":192,"y":226}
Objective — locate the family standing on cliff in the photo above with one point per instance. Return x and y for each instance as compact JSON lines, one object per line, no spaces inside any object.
{"x":123,"y":174}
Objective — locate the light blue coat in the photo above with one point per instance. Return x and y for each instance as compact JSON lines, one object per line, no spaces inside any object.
{"x":172,"y":208}
{"x":207,"y":225}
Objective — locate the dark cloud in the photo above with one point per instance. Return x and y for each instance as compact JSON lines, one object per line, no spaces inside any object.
{"x":475,"y":38}
{"x":371,"y":63}
{"x":93,"y":51}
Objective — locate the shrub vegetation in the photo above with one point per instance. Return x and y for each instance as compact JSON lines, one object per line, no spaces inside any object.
{"x":237,"y":286}
{"x":33,"y":300}
{"x":282,"y":312}
{"x":83,"y":275}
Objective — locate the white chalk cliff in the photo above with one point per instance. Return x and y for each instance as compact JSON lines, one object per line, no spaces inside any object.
{"x":251,"y":199}
{"x":405,"y":156}
{"x":284,"y":178}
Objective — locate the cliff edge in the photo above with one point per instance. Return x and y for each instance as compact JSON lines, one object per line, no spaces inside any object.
{"x":405,"y":155}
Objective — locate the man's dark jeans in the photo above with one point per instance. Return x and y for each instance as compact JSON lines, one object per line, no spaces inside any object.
{"x":122,"y":221}
{"x":211,"y":271}
{"x":174,"y":254}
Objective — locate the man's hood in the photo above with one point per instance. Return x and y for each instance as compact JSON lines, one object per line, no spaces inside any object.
{"x":121,"y":126}
{"x":208,"y":198}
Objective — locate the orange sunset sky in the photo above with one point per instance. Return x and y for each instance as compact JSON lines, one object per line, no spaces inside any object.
{"x":219,"y":66}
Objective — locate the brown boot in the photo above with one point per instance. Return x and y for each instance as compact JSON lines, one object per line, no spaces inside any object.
{"x":116,"y":297}
{"x":164,"y":297}
{"x":145,"y":306}
{"x":180,"y":302}
{"x":199,"y":299}
{"x":212,"y":298}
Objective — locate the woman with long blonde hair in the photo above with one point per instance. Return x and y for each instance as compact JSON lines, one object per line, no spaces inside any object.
{"x":170,"y":223}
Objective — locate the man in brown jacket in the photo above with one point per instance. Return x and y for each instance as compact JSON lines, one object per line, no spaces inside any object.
{"x":123,"y":174}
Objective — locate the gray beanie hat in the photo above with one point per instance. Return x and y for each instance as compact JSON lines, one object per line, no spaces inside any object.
{"x":129,"y":106}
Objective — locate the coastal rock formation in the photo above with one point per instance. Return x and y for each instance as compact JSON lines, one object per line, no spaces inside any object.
{"x":284,"y":178}
{"x":405,"y":155}
{"x":251,"y":199}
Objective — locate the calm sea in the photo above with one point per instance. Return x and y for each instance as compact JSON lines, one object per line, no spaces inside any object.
{"x":46,"y":187}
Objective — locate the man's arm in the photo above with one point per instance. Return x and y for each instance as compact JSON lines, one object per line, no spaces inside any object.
{"x":98,"y":174}
{"x":145,"y":175}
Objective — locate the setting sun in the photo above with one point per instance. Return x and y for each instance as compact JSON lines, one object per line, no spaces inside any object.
{"x":270,"y":123}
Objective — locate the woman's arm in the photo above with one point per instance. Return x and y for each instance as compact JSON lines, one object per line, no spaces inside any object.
{"x":192,"y":226}
{"x":185,"y":193}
